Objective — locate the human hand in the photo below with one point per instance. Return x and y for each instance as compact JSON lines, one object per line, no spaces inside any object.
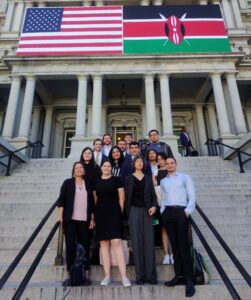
{"x":152,"y":211}
{"x":186,"y":213}
{"x":92,"y":224}
{"x":59,"y":219}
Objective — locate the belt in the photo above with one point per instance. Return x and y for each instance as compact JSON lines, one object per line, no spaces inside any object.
{"x":175,"y":207}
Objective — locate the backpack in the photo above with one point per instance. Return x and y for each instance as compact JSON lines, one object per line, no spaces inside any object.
{"x":200,"y":269}
{"x":77,"y":272}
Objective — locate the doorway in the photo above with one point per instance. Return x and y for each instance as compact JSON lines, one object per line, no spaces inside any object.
{"x":68,"y":134}
{"x":120,"y":132}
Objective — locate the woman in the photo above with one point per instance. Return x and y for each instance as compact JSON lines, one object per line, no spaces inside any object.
{"x":141,"y":204}
{"x":151,"y":157}
{"x":75,"y":210}
{"x":109,"y":200}
{"x":157,"y":176}
{"x":116,"y":159}
{"x":91,"y":169}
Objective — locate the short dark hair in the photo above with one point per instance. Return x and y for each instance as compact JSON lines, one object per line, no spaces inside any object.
{"x":153,"y":130}
{"x":162,"y":155}
{"x":73,"y":168}
{"x":97,"y":140}
{"x":136,"y":158}
{"x":121,"y":141}
{"x":183,"y":128}
{"x":104,"y":161}
{"x":130,"y":134}
{"x":133,"y":143}
{"x":107,"y":134}
{"x":147,"y":153}
{"x":172,"y":158}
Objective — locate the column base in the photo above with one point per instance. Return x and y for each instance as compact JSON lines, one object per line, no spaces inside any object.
{"x":171,"y":140}
{"x":20,"y":142}
{"x":78,"y":143}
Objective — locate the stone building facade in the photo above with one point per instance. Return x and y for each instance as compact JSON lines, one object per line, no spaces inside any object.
{"x":67,"y":101}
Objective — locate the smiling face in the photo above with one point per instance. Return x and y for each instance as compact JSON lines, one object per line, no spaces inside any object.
{"x":128,"y":139}
{"x":161,"y":161}
{"x":139,"y":164}
{"x":78,"y":170}
{"x":154,"y":137}
{"x":107,"y":140}
{"x":87,"y":155}
{"x":115,"y":154}
{"x":171,"y":165}
{"x":122,"y":145}
{"x":106,"y":168}
{"x":134,"y":150}
{"x":152,"y":155}
{"x":98,"y":146}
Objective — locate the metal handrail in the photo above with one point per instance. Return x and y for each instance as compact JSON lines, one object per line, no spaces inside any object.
{"x":10,"y":154}
{"x":215,"y":261}
{"x":21,"y":253}
{"x":36,"y":261}
{"x":237,"y":150}
{"x":229,"y":252}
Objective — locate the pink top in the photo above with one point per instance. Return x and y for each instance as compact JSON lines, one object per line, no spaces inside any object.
{"x":80,"y":204}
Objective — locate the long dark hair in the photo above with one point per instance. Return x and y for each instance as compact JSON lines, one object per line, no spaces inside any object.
{"x":147,"y":154}
{"x":73,"y":168}
{"x":92,"y":161}
{"x":121,"y":159}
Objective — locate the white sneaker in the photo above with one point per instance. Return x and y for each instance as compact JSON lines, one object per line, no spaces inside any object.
{"x":171,"y":259}
{"x":105,"y":281}
{"x":166,"y":260}
{"x":126,"y":282}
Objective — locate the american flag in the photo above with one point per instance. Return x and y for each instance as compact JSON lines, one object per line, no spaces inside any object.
{"x":72,"y":30}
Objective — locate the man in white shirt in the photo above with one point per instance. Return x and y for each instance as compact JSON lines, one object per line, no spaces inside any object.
{"x":107,"y":144}
{"x":99,"y":157}
{"x":178,"y":201}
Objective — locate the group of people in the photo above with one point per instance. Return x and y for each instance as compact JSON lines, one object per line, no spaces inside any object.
{"x":111,"y":183}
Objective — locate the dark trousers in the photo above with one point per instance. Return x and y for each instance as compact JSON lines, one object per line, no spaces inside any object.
{"x":142,"y":237}
{"x":176,"y":224}
{"x":188,"y":151}
{"x":76,"y":232}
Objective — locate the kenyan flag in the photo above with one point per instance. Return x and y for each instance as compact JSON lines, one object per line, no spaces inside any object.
{"x":173,"y":29}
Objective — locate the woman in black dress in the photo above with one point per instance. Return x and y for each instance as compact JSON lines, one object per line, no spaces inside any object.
{"x":157,"y":176}
{"x":116,"y":159}
{"x":109,"y":199}
{"x":141,"y":204}
{"x":91,"y":169}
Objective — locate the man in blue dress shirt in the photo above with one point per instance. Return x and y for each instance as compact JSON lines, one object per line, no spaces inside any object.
{"x":177,"y":203}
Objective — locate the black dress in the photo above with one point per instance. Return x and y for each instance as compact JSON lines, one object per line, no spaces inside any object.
{"x":108,"y":217}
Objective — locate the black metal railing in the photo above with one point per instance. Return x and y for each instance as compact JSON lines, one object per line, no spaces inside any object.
{"x":36,"y":153}
{"x":214,"y":150}
{"x":22,"y":252}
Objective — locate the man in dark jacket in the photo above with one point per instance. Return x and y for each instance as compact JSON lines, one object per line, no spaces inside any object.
{"x":156,"y":145}
{"x":186,"y":141}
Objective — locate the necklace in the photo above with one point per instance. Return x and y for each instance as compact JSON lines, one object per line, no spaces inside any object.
{"x":80,"y":187}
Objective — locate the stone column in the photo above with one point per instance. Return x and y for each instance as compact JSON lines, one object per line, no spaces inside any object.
{"x":145,"y":2}
{"x":89,"y":117}
{"x":3,"y":5}
{"x":213,"y":121}
{"x":12,"y":107}
{"x":243,"y":4}
{"x":201,"y":128}
{"x":97,"y":105}
{"x":9,"y":16}
{"x":27,"y":108}
{"x":41,"y":4}
{"x":18,"y":17}
{"x":87,"y":3}
{"x":150,"y":102}
{"x":1,"y":121}
{"x":104,"y":121}
{"x":237,"y":14}
{"x":227,"y":14}
{"x":166,"y":105}
{"x":157,"y":2}
{"x":99,"y":3}
{"x":81,"y":106}
{"x":203,"y":2}
{"x":35,"y":123}
{"x":236,"y":104}
{"x":143,"y":114}
{"x":47,"y":130}
{"x":158,"y":123}
{"x":220,"y":105}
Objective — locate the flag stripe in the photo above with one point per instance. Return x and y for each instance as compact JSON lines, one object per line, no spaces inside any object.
{"x":158,"y":29}
{"x":69,"y":41}
{"x":90,"y":22}
{"x":90,"y":29}
{"x":74,"y":49}
{"x":68,"y":53}
{"x":90,"y":8}
{"x":60,"y":45}
{"x":92,"y":16}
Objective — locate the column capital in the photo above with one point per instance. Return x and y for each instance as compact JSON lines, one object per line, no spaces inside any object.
{"x":215,"y":75}
{"x":15,"y":77}
{"x":145,"y":2}
{"x":99,"y":3}
{"x":82,"y":77}
{"x":157,"y":2}
{"x":41,"y":4}
{"x":97,"y":76}
{"x":30,"y":77}
{"x":149,"y":76}
{"x":216,"y":2}
{"x":203,"y":2}
{"x":199,"y":105}
{"x":230,"y":74}
{"x":28,"y":4}
{"x":48,"y":107}
{"x":164,"y":75}
{"x":87,"y":3}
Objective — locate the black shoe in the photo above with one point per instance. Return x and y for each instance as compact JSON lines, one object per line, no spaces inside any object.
{"x":66,"y":282}
{"x":152,"y":281}
{"x":175,"y":281}
{"x":140,"y":282}
{"x":87,"y":282}
{"x":190,"y":290}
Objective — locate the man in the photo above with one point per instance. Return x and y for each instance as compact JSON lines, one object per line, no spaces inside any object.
{"x":186,"y":141}
{"x":127,"y":167}
{"x":128,"y":139}
{"x":99,"y":157}
{"x":156,"y":145}
{"x":107,"y":142}
{"x":122,"y":146}
{"x":177,"y":203}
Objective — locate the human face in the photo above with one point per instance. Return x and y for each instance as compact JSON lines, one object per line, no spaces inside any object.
{"x":107,"y":140}
{"x":128,"y":139}
{"x":87,"y":155}
{"x":134,"y":150}
{"x":122,"y":146}
{"x":115,"y":154}
{"x":161,"y":162}
{"x":78,"y":170}
{"x":154,"y":137}
{"x":152,"y":155}
{"x":171,"y":165}
{"x":106,"y":168}
{"x":98,"y":146}
{"x":139,"y":164}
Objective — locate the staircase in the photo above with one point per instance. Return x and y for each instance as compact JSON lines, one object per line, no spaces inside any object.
{"x":222,"y":192}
